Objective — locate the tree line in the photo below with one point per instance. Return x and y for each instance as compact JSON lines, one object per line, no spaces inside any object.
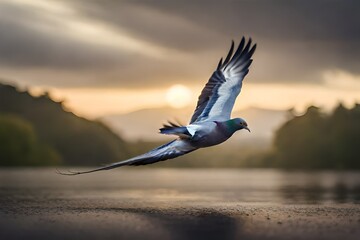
{"x":318,"y":140}
{"x":38,"y":131}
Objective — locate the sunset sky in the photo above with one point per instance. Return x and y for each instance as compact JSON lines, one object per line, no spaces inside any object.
{"x":106,"y":57}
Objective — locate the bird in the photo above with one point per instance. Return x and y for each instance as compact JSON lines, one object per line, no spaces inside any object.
{"x":211,"y":122}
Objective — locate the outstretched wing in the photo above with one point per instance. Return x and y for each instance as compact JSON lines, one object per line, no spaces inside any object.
{"x":170,"y":150}
{"x":217,"y":99}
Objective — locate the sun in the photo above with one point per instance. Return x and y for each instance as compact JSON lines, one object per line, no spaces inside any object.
{"x":178,"y":96}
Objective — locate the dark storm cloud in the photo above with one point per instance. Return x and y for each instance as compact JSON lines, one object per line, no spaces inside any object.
{"x":317,"y":35}
{"x":297,"y":40}
{"x":27,"y":48}
{"x":22,"y":45}
{"x":297,"y":20}
{"x":319,"y":27}
{"x":153,"y":23}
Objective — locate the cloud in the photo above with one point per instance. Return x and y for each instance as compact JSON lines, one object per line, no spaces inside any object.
{"x":30,"y":41}
{"x":297,"y":20}
{"x":151,"y":24}
{"x":48,"y":37}
{"x":161,"y":42}
{"x":342,"y":80}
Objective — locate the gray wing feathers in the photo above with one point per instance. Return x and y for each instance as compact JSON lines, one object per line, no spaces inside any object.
{"x":209,"y":90}
{"x":167,"y":151}
{"x":219,"y":94}
{"x":170,"y":150}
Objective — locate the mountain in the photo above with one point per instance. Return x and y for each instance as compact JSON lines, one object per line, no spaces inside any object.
{"x":144,"y":124}
{"x":76,"y":140}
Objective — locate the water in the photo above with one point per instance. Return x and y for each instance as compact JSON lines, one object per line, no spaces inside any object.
{"x":184,"y":185}
{"x":152,"y":203}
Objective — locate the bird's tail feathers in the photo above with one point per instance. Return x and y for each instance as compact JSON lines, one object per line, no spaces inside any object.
{"x":175,"y":129}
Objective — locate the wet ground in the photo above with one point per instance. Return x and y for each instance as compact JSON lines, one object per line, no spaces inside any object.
{"x":138,"y":203}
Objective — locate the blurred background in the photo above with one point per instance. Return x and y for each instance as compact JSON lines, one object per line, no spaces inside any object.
{"x":90,"y":82}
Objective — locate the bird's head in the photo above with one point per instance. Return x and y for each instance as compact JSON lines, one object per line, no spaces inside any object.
{"x":241,"y":124}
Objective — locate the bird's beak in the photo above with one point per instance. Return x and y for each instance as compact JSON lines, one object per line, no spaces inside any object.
{"x":247,"y":129}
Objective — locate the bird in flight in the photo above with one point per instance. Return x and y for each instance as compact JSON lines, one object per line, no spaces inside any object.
{"x":211,"y":123}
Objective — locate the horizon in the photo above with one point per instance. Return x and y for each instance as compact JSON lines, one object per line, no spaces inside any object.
{"x":132,"y":127}
{"x":58,"y":97}
{"x":73,"y":106}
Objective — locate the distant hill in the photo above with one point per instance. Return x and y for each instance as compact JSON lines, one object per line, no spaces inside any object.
{"x":76,"y":140}
{"x":144,"y":124}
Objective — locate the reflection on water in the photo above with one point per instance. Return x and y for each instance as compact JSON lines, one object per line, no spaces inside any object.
{"x":185,"y":185}
{"x":317,"y":187}
{"x":314,"y":193}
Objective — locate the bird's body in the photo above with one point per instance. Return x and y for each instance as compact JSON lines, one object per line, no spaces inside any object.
{"x":210,"y":133}
{"x":210,"y":124}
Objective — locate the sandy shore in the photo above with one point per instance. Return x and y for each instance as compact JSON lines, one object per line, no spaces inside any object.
{"x":101,"y":208}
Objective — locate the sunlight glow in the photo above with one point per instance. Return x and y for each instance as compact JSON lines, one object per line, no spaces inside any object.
{"x":178,"y":96}
{"x":93,"y":103}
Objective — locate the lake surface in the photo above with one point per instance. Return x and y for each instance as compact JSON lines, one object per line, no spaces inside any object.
{"x":271,"y":186}
{"x":179,"y":204}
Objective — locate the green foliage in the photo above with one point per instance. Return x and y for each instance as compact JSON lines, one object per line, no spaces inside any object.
{"x":77,"y":140}
{"x":316,"y":140}
{"x":19,"y":145}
